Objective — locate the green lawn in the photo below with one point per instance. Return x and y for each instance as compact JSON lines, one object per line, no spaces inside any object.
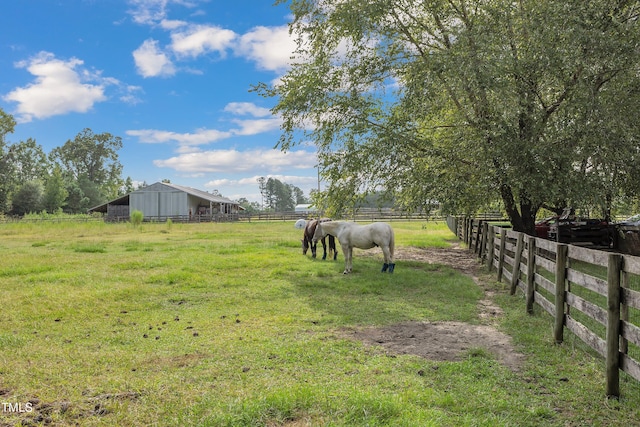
{"x":229,"y":325}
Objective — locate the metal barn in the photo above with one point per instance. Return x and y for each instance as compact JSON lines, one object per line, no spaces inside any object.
{"x":161,"y":201}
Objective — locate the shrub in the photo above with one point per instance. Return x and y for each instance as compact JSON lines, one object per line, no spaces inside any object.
{"x":136,"y":218}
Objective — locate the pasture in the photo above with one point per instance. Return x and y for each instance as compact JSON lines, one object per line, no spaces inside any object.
{"x":230,"y":325}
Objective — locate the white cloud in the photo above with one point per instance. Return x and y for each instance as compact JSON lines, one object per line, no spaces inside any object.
{"x":200,"y":39}
{"x":241,"y":108}
{"x":270,"y":47}
{"x":148,"y":11}
{"x":151,"y":61}
{"x":129,"y":96}
{"x":172,"y":24}
{"x":199,"y":137}
{"x":221,"y":182}
{"x":298,"y":181}
{"x":233,"y":161}
{"x":254,"y":127}
{"x":60,"y":87}
{"x":187,"y":141}
{"x":152,"y":12}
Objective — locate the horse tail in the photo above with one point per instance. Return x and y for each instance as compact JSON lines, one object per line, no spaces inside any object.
{"x":391,"y":242}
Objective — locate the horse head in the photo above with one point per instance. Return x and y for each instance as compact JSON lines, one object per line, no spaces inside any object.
{"x":305,"y":246}
{"x":319,"y":234}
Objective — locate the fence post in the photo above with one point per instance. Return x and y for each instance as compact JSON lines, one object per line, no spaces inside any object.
{"x":503,"y":242}
{"x":492,"y":246}
{"x":561,"y":276}
{"x":515,"y":274}
{"x":624,"y":310}
{"x":483,"y":246}
{"x":613,"y":325}
{"x":531,"y":272}
{"x":476,"y":248}
{"x":465,"y":228}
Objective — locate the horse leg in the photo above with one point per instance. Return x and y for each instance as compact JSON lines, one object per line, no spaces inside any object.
{"x":332,"y":247}
{"x":324,"y":248}
{"x":347,"y":251}
{"x":314,"y":246}
{"x":388,"y":260}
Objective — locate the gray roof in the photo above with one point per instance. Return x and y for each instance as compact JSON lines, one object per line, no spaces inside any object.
{"x":197,"y":193}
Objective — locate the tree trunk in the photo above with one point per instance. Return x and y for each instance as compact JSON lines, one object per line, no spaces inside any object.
{"x":523,"y":220}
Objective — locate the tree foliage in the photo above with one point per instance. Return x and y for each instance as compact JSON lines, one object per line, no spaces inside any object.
{"x":83,"y":172}
{"x":28,"y":198}
{"x":279,"y":196}
{"x":55,"y":193}
{"x":91,"y":160}
{"x":532,"y":103}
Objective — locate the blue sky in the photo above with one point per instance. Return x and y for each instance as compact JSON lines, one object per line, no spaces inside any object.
{"x":170,"y":77}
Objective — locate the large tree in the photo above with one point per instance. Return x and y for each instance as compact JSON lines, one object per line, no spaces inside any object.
{"x":29,"y":161}
{"x":530,"y":102}
{"x":55,"y":193}
{"x":91,"y":168}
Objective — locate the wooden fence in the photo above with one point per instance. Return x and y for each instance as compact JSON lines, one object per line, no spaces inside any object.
{"x":364,"y":215}
{"x":595,"y":294}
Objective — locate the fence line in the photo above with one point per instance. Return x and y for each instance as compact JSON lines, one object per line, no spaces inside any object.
{"x":364,"y":215}
{"x":589,"y":292}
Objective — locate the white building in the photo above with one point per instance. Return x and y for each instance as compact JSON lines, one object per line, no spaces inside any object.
{"x":163,"y":200}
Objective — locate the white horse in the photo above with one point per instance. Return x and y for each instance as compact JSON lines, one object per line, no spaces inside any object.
{"x":351,"y":235}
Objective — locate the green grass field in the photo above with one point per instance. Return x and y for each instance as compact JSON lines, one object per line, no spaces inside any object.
{"x":229,"y":325}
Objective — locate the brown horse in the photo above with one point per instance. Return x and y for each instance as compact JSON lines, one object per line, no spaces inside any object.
{"x":308,"y":242}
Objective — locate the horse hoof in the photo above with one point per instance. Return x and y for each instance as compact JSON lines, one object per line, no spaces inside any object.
{"x":384,"y":267}
{"x":391,"y":267}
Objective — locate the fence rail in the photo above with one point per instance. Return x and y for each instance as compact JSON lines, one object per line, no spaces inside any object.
{"x":363,"y":215}
{"x":594,"y":294}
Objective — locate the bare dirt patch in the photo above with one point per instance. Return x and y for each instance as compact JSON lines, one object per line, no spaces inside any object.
{"x":445,"y":341}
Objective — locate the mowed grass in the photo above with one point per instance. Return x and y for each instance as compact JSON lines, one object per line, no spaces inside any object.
{"x":229,"y":325}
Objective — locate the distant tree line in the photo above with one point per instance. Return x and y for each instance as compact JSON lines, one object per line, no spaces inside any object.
{"x":85,"y":172}
{"x":278,"y":196}
{"x":82,"y":173}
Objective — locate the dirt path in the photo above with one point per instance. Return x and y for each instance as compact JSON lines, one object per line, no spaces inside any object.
{"x":448,"y":341}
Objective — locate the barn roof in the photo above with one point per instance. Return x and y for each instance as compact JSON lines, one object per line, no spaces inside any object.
{"x":124,"y":200}
{"x":194,"y":192}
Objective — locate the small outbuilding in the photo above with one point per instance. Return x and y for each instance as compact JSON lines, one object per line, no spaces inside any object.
{"x":163,"y":200}
{"x":305,"y":208}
